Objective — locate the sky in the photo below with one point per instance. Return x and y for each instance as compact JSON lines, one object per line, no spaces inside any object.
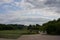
{"x":28,"y":11}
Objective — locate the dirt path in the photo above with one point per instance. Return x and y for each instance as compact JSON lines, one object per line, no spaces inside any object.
{"x":39,"y":37}
{"x":36,"y":37}
{"x":6,"y":39}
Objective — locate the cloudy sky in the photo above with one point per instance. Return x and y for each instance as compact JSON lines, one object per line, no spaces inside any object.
{"x":28,"y":11}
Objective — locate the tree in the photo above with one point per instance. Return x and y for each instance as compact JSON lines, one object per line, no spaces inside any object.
{"x":52,"y":27}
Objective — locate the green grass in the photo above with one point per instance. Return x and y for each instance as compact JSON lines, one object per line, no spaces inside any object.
{"x":12,"y":34}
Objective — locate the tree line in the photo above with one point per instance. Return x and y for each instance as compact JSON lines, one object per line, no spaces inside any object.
{"x":50,"y":27}
{"x":18,"y":26}
{"x":11,"y":26}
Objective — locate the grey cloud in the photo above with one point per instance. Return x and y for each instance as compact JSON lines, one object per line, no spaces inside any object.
{"x":10,"y":19}
{"x":29,"y":21}
{"x":53,"y":5}
{"x":32,"y":20}
{"x":37,"y":3}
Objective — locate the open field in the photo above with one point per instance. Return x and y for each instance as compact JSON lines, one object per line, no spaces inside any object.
{"x":12,"y":34}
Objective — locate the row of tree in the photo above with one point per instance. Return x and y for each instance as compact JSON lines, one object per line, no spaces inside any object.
{"x":11,"y":26}
{"x":18,"y":27}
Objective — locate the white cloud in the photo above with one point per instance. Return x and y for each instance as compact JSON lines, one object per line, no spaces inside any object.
{"x":53,"y":5}
{"x":6,"y":1}
{"x":33,"y":11}
{"x":32,"y":16}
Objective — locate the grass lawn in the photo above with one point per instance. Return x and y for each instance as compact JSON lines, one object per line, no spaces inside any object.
{"x":12,"y":34}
